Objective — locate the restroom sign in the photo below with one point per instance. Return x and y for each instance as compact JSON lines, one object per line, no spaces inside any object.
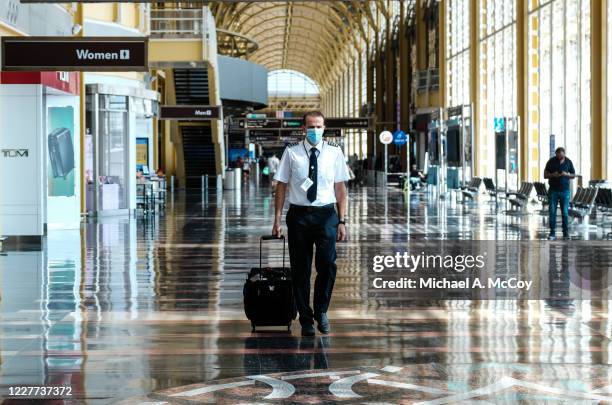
{"x":97,"y":54}
{"x":189,"y":112}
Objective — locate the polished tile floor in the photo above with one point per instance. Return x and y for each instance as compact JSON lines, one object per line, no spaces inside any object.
{"x":151,"y":311}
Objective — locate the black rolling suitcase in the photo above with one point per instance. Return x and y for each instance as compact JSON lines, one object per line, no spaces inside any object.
{"x":268,"y":293}
{"x":61,"y":152}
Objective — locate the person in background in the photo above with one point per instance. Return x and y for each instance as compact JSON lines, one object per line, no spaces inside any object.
{"x":416,"y":177}
{"x":352,"y":161}
{"x":159,"y":173}
{"x":273,"y":164}
{"x":263,"y":168}
{"x":246,"y":169}
{"x":559,"y":171}
{"x":140,"y":178}
{"x":89,"y":176}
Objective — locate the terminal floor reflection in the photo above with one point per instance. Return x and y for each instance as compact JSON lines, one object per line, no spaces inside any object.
{"x":147,"y":311}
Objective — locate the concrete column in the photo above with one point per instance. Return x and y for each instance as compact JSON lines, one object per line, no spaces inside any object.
{"x":405,"y":82}
{"x":360,"y":66}
{"x":155,"y":160}
{"x":370,"y":94}
{"x":169,"y":142}
{"x":79,"y":19}
{"x":598,"y":88}
{"x":389,"y":84}
{"x":442,"y":4}
{"x":380,"y":92}
{"x":354,"y":83}
{"x":421,"y":37}
{"x":522,"y":84}
{"x":339,"y":95}
{"x":475,"y":81}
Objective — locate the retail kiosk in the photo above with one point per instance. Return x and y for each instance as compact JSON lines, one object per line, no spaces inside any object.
{"x":39,"y":151}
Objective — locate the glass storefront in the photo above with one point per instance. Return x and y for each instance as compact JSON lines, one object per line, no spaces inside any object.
{"x":117,"y":118}
{"x":114,"y":146}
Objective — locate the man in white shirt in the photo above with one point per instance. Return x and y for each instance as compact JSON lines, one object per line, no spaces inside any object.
{"x":273,"y":164}
{"x":315,"y":173}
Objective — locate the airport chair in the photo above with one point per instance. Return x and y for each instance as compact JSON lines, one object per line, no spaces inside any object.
{"x":159,"y":193}
{"x":582,"y":206}
{"x":490,"y":187}
{"x":603,"y":203}
{"x":577,"y":198}
{"x":145,"y":199}
{"x":597,"y":182}
{"x":470,"y":191}
{"x":542,"y":196}
{"x":518,"y":204}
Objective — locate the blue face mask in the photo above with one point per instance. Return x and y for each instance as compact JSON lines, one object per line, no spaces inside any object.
{"x":314,"y":135}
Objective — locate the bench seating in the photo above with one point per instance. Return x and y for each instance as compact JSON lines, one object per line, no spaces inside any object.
{"x":471,"y":190}
{"x":490,"y":187}
{"x":521,"y":197}
{"x":603,"y":203}
{"x":542,"y":196}
{"x":583,"y":202}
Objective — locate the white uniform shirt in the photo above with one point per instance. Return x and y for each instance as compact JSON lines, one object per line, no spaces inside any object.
{"x":331,"y":169}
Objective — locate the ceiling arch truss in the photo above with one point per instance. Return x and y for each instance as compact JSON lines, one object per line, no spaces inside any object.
{"x":316,"y":38}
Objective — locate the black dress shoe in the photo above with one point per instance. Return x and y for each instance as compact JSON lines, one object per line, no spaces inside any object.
{"x":323,"y":324}
{"x":308,"y":330}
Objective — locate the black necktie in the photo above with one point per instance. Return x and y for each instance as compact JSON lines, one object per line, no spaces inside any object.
{"x":311,"y":194}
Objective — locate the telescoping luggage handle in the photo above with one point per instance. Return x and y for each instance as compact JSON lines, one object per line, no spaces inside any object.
{"x":271,"y":237}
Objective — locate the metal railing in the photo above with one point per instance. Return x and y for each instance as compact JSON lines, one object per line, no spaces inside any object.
{"x":189,"y":23}
{"x":235,"y":44}
{"x":177,"y":23}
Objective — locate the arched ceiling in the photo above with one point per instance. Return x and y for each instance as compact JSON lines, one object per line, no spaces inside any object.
{"x":308,"y":36}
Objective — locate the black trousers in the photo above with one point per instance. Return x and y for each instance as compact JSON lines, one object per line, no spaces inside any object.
{"x":308,"y":227}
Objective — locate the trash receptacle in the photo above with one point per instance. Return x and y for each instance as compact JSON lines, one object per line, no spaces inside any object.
{"x":229,"y":183}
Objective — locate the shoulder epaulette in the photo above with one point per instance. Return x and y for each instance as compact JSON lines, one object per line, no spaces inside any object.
{"x":333,"y":144}
{"x":291,"y":145}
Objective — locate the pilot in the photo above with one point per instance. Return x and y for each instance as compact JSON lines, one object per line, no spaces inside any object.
{"x":315,"y":173}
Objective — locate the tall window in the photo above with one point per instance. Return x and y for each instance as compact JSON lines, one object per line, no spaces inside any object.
{"x":559,"y":83}
{"x":458,"y":52}
{"x":394,"y":8}
{"x":290,"y":83}
{"x":497,"y":74}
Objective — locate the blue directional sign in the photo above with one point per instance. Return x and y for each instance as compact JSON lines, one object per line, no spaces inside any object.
{"x":499,"y":124}
{"x":400,"y":138}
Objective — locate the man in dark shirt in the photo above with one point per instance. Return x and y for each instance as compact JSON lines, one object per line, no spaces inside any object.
{"x":559,"y":171}
{"x":416,"y":177}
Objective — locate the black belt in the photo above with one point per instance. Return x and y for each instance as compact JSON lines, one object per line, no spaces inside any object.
{"x":311,"y":208}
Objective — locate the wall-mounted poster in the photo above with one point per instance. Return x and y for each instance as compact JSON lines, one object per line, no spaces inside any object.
{"x":142,"y":153}
{"x":60,"y":144}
